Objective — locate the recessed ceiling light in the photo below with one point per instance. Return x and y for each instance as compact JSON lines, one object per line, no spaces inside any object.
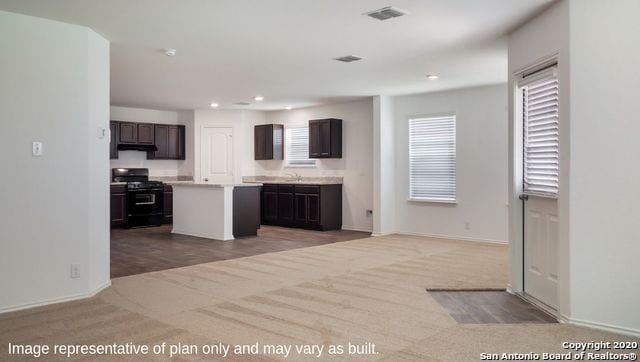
{"x":258,"y":98}
{"x":432,"y":77}
{"x":170,"y":52}
{"x":214,"y":105}
{"x":288,"y":108}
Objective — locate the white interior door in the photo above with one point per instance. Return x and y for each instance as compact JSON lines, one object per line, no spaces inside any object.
{"x":540,"y":115}
{"x":541,"y":249}
{"x":216,"y":155}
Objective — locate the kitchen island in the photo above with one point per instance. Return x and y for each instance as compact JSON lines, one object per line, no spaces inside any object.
{"x":208,"y":210}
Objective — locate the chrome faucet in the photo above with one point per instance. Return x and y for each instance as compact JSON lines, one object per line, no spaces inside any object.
{"x":294,"y":175}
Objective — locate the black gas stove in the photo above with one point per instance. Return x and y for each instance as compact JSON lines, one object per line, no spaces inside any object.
{"x":144,"y":185}
{"x":144,"y":201}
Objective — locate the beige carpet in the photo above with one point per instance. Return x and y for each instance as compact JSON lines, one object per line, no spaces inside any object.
{"x":361,"y":291}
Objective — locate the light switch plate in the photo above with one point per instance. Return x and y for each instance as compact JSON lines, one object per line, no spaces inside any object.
{"x":102,"y":133}
{"x":36,"y":149}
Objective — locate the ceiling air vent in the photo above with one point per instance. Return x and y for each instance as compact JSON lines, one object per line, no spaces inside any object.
{"x":348,"y":58}
{"x":385,"y":13}
{"x":242,"y":103}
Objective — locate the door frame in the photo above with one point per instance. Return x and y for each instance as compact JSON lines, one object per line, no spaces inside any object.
{"x":198,"y":173}
{"x":516,"y":186}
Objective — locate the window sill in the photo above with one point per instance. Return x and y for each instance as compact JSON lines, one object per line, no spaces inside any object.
{"x":434,"y":201}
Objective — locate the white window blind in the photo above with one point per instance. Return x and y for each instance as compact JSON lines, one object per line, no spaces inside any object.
{"x":541,"y":139}
{"x":432,"y":159}
{"x":297,"y":147}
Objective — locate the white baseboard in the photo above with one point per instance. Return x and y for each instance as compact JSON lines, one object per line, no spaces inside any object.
{"x":600,"y":326}
{"x":15,"y":308}
{"x":356,"y":228}
{"x":382,"y":234}
{"x":449,"y":237}
{"x":510,"y":289}
{"x":199,"y":235}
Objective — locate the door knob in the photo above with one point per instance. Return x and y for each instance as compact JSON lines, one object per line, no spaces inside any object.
{"x":523,"y":197}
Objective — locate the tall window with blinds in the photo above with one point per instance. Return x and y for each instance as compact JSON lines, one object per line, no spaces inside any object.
{"x":541,"y":138}
{"x":297,"y":147}
{"x":432,"y":159}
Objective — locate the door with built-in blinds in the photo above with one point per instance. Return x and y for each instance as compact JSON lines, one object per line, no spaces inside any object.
{"x":540,"y":116}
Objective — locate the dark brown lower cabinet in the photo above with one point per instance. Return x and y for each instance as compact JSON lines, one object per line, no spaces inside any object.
{"x":317,"y":207}
{"x":269,"y":204}
{"x":168,"y":204}
{"x":118,"y":205}
{"x":246,"y":211}
{"x":285,"y":203}
{"x":307,"y":209}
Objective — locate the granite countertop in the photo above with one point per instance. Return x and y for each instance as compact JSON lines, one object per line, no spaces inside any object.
{"x":171,"y":180}
{"x":193,"y":184}
{"x":329,"y":180}
{"x":178,"y":182}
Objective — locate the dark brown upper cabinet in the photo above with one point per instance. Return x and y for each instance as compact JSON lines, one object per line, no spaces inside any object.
{"x":268,"y":142}
{"x":113,"y":144}
{"x":128,"y":133}
{"x":135,"y":133}
{"x":145,"y":134}
{"x":169,"y":139}
{"x":325,"y":138}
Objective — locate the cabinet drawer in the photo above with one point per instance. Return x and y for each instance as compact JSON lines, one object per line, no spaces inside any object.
{"x":285,"y":188}
{"x":118,"y":189}
{"x":306,"y":189}
{"x":269,"y":187}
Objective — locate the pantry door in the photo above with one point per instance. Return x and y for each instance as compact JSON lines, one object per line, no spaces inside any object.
{"x":216,"y":155}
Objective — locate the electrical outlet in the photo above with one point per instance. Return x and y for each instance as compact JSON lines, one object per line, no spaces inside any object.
{"x":36,"y":149}
{"x":467,"y":225}
{"x":75,"y":271}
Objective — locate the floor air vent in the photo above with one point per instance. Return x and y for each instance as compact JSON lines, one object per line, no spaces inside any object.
{"x":385,"y":13}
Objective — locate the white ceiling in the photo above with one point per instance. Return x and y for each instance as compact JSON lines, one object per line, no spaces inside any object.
{"x":230,"y":51}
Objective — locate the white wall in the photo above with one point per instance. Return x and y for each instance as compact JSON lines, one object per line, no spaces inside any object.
{"x":384,"y":166}
{"x":605,"y":178}
{"x":355,"y":166}
{"x":481,"y":122}
{"x":99,"y":201}
{"x":53,"y":208}
{"x":138,"y":158}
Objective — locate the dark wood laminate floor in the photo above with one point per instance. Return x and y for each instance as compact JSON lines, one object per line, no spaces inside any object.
{"x":489,"y":307}
{"x":136,"y":251}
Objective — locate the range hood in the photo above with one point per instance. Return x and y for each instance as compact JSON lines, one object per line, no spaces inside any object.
{"x":134,"y":147}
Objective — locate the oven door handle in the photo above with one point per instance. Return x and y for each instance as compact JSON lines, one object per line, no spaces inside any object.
{"x":153,"y":201}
